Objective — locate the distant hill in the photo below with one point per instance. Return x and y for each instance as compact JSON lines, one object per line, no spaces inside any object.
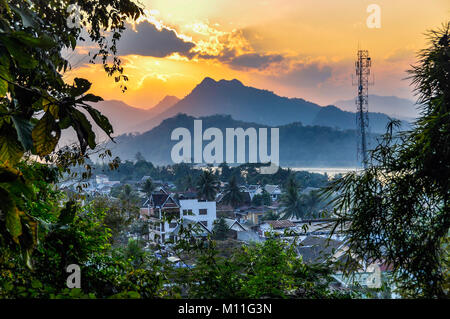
{"x":255,"y":105}
{"x":391,"y":105}
{"x":122,"y":116}
{"x":334,"y":117}
{"x":167,"y":102}
{"x":305,"y":146}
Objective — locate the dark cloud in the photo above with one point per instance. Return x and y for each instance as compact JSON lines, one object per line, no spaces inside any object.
{"x":244,"y":61}
{"x":254,"y":61}
{"x":149,"y":41}
{"x":305,"y":75}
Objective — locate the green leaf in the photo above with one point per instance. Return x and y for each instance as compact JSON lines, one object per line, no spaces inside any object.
{"x":36,"y":284}
{"x":101,"y":120}
{"x":83,"y":129}
{"x":92,"y":98}
{"x":13,"y":224}
{"x":31,"y":227}
{"x":46,"y":134}
{"x":10,"y":148}
{"x":4,"y":4}
{"x":23,"y":128}
{"x":43,"y":41}
{"x":4,"y":73}
{"x":3,"y":87}
{"x":17,"y":50}
{"x":80,"y":87}
{"x":67,"y":213}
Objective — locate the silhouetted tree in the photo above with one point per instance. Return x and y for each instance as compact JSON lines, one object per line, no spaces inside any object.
{"x":233,"y":194}
{"x":397,"y":210}
{"x":291,"y":202}
{"x":148,"y":187}
{"x":207,"y":185}
{"x":220,"y":229}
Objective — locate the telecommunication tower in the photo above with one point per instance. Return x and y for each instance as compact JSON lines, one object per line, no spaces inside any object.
{"x":362,"y":67}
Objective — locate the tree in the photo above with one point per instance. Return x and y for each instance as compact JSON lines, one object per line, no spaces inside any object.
{"x":35,"y":102}
{"x":139,"y":157}
{"x":148,"y":187}
{"x":233,"y":194}
{"x":130,"y":201}
{"x":220,"y":229}
{"x":291,"y":201}
{"x":188,"y":183}
{"x":207,"y":185}
{"x":311,"y":203}
{"x":270,"y":269}
{"x":225,"y":171}
{"x":397,"y":210}
{"x":262,"y":199}
{"x":116,"y":217}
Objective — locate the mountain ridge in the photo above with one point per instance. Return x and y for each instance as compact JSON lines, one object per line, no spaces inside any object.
{"x":247,"y":103}
{"x":300,"y":145}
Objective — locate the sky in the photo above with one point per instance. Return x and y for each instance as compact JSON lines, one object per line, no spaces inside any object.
{"x":294,"y":48}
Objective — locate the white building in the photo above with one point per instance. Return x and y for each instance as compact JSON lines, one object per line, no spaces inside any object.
{"x":254,"y":190}
{"x":274,"y":191}
{"x":199,"y":211}
{"x":161,"y":205}
{"x":103,"y":181}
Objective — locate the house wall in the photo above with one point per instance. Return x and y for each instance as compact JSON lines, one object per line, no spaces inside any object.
{"x":195,"y":206}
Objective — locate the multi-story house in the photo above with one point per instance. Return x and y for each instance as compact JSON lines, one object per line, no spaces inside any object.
{"x":165,"y":213}
{"x":159,"y":209}
{"x":274,"y":191}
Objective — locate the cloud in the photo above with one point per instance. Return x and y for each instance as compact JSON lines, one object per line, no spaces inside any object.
{"x":148,"y":40}
{"x":254,"y":60}
{"x":305,"y":75}
{"x":400,"y":55}
{"x":152,"y":38}
{"x":230,"y":48}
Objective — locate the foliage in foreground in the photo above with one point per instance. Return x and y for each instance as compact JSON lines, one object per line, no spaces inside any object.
{"x":398,"y":209}
{"x":81,"y":235}
{"x":271,"y":269}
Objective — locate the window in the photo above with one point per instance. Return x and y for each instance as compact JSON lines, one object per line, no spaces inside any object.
{"x":203,"y":211}
{"x":187,"y":211}
{"x":173,"y":225}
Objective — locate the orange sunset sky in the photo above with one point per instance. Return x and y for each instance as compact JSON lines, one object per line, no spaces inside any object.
{"x":295,"y":48}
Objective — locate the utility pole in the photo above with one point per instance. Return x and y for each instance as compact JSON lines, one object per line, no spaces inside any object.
{"x":362,"y":67}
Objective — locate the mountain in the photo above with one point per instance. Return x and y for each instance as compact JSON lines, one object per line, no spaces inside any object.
{"x":122,"y":116}
{"x":391,"y":105}
{"x":334,"y":117}
{"x":250,"y":104}
{"x":305,"y":146}
{"x":241,"y":102}
{"x":167,"y":102}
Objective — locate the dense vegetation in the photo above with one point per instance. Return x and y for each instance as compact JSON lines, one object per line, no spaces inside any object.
{"x":300,"y":145}
{"x":398,"y":209}
{"x":185,"y":175}
{"x":42,"y":230}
